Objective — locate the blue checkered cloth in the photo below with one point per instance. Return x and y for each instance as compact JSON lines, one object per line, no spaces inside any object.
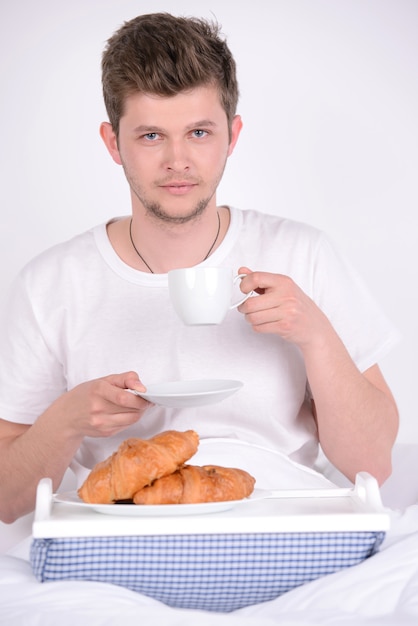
{"x":212,"y":572}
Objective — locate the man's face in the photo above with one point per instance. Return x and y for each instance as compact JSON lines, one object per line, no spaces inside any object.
{"x":173,"y":151}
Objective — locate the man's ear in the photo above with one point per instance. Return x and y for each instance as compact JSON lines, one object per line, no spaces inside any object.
{"x":236,"y":127}
{"x":110,"y":140}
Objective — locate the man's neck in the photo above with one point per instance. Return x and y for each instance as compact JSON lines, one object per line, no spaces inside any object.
{"x":148,"y":246}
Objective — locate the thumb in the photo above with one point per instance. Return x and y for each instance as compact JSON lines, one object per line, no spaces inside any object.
{"x":247,"y":271}
{"x":126,"y":380}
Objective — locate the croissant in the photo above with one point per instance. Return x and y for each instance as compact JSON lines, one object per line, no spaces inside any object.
{"x":136,"y":463}
{"x":193,"y":484}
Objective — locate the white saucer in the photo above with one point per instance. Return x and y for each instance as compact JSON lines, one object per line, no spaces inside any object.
{"x":185,"y":393}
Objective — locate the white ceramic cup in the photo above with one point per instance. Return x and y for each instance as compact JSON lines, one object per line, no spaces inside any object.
{"x":203,"y":295}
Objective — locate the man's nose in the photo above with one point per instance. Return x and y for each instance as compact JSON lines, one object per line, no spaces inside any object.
{"x":177,"y":156}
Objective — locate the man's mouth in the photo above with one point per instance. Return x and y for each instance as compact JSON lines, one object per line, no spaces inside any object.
{"x":179,"y":187}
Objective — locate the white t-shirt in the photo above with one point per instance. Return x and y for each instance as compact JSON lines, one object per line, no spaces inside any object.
{"x":77,"y":312}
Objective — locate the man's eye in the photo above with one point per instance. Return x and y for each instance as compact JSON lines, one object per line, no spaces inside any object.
{"x":151,"y":136}
{"x":199,"y":133}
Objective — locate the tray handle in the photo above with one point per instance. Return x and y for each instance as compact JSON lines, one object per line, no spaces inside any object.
{"x":43,"y":500}
{"x":366,"y":488}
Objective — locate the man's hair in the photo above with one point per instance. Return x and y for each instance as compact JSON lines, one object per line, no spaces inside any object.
{"x":163,"y":55}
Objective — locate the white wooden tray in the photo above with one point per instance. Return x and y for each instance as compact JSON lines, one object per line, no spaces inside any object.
{"x":312,"y":510}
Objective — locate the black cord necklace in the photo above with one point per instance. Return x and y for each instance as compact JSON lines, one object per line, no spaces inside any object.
{"x":144,"y":261}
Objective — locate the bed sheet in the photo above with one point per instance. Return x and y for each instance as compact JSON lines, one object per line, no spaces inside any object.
{"x":383,"y":590}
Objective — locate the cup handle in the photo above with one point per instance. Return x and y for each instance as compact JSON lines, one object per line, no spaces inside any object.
{"x":248,"y":295}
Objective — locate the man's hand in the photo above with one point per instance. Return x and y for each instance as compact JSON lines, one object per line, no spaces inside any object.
{"x":102,"y":407}
{"x":282,"y":308}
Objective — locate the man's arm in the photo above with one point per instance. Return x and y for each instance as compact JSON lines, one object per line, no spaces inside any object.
{"x":98,"y":408}
{"x":356,"y":414}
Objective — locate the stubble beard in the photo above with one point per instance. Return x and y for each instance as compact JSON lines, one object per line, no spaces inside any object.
{"x":156,"y":211}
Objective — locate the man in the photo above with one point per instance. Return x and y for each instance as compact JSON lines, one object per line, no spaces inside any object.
{"x":91,"y":317}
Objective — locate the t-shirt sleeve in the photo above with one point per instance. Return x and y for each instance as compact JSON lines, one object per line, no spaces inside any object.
{"x":31,"y":377}
{"x":343,"y":296}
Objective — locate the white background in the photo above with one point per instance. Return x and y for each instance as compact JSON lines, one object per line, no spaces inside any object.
{"x":329,"y":99}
